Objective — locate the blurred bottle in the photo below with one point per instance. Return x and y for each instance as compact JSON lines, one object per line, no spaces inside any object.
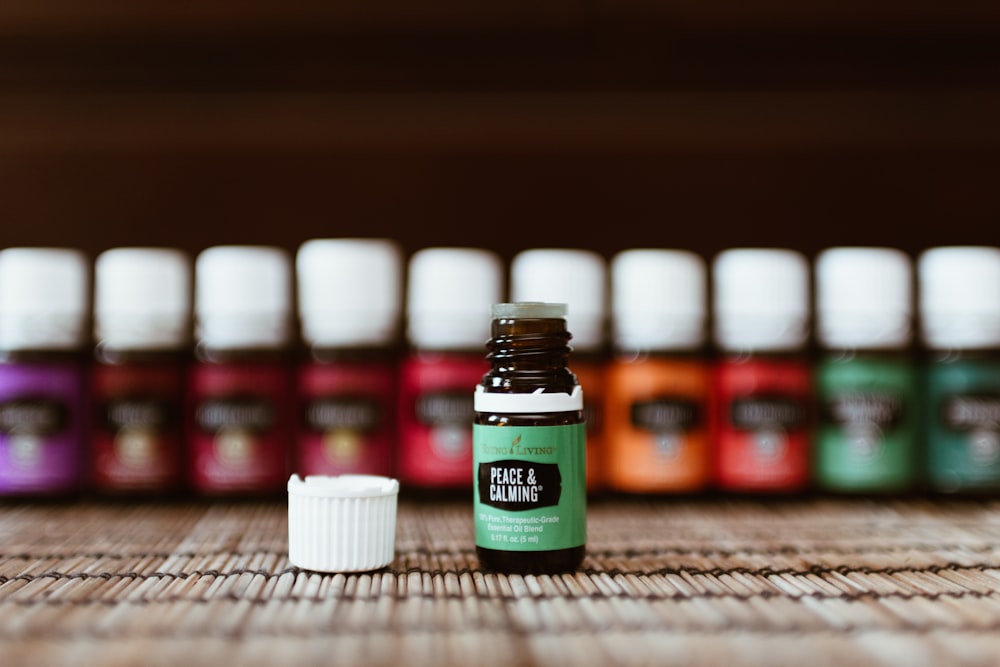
{"x":44,"y":309}
{"x":959,"y":306}
{"x":762,"y":415}
{"x":866,"y":380}
{"x":142,"y":324}
{"x":448,"y":298}
{"x":350,"y":308}
{"x":659,"y":382}
{"x":240,"y":393}
{"x":577,"y":278}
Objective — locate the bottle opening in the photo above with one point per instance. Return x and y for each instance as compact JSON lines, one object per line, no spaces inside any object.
{"x":528,"y":309}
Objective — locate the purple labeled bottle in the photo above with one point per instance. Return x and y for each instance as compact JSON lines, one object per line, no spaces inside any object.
{"x":43,"y":329}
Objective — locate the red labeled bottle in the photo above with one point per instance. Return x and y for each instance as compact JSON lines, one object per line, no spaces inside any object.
{"x":240,"y":391}
{"x":142,"y":322}
{"x":577,"y":278}
{"x":350,"y":306}
{"x":448,"y":298}
{"x":762,"y":400}
{"x":659,"y":380}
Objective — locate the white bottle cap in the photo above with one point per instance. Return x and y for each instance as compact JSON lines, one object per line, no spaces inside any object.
{"x":243,"y":297}
{"x":658,"y":299}
{"x":864,"y":298}
{"x":761,"y":299}
{"x":448,"y":298}
{"x":349,"y":291}
{"x":142,"y":298}
{"x":345,"y":523}
{"x":44,"y":302}
{"x":575,"y":277}
{"x":959,"y":289}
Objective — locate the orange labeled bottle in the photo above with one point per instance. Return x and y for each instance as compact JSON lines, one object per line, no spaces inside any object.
{"x":577,"y":278}
{"x":658,"y":382}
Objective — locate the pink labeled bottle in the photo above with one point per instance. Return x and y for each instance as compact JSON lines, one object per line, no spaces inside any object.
{"x":44,"y":310}
{"x":142,"y":325}
{"x":448,"y":298}
{"x":350,"y":310}
{"x":577,"y":278}
{"x":240,"y":389}
{"x":762,"y":399}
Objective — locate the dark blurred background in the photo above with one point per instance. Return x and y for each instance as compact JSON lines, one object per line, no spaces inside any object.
{"x":699,"y":124}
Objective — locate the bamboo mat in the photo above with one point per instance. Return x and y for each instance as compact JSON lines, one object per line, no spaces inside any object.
{"x":699,"y":582}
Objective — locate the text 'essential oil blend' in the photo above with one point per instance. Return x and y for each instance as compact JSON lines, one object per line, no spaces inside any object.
{"x":529,"y":445}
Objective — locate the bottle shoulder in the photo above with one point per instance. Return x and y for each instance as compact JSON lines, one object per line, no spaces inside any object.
{"x":68,"y":357}
{"x":207,"y":355}
{"x":121,"y":356}
{"x":567,"y":418}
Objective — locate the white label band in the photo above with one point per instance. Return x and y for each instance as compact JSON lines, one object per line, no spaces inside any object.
{"x":530,"y":403}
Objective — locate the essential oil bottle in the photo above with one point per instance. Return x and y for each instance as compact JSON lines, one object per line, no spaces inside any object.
{"x":762,"y":400}
{"x":142,"y":328}
{"x":448,"y":297}
{"x":530,"y":490}
{"x":579,"y":279}
{"x":240,"y":391}
{"x":959,"y":307}
{"x":660,"y":379}
{"x":867,"y":439}
{"x":350,"y":309}
{"x":44,"y":325}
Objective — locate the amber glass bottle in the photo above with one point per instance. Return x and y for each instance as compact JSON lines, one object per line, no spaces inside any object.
{"x":529,"y":445}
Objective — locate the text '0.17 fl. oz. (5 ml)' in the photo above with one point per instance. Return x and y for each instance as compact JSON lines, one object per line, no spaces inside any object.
{"x":529,"y":445}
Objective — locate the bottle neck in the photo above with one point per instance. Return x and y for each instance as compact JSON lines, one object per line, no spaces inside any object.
{"x":529,"y":354}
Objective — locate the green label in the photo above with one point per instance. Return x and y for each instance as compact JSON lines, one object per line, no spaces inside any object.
{"x":868,"y":432}
{"x":530,"y":489}
{"x":963,"y":425}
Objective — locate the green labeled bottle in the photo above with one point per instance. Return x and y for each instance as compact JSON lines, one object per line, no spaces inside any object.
{"x":529,"y":445}
{"x":960,"y":316}
{"x":866,"y":378}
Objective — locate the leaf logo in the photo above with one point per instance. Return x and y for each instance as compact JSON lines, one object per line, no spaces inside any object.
{"x":516,"y":440}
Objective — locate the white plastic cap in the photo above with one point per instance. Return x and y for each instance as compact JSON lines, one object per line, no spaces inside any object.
{"x":761,"y":299}
{"x":344,"y":523}
{"x":658,"y":299}
{"x":44,"y":300}
{"x":349,"y":291}
{"x":243,"y":297}
{"x":960,"y":297}
{"x":864,"y":298}
{"x":575,"y":277}
{"x":142,"y":298}
{"x":448,"y":298}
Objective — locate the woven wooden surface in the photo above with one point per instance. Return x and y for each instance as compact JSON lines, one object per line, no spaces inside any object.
{"x":748,"y":582}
